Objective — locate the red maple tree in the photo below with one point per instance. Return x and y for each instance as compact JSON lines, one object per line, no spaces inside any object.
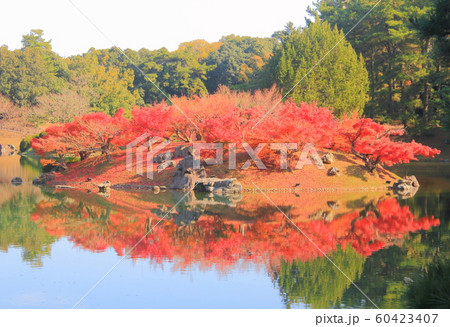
{"x":374,"y":143}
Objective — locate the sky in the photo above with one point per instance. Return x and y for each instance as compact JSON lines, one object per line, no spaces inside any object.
{"x":137,"y":24}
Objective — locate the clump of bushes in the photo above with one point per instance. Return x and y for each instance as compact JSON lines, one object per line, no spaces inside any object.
{"x":25,"y":144}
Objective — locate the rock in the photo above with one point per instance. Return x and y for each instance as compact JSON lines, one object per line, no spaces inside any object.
{"x":16,"y":181}
{"x":218,"y":186}
{"x":43,"y":179}
{"x":64,"y":187}
{"x":185,"y":176}
{"x":183,"y":151}
{"x":407,"y":280}
{"x":163,"y":157}
{"x":333,"y":204}
{"x":328,"y":158}
{"x":166,"y":164}
{"x":333,"y":171}
{"x":104,"y":187}
{"x":7,"y":149}
{"x":406,"y":188}
{"x":321,"y":214}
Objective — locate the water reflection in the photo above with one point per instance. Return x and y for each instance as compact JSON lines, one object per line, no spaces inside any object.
{"x":201,"y":231}
{"x":376,"y":239}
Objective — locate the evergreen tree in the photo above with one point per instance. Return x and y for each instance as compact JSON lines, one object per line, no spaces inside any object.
{"x":402,"y":70}
{"x":320,"y":66}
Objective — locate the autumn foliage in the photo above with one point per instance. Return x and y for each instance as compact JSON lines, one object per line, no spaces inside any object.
{"x":213,"y":240}
{"x":94,"y":132}
{"x":375,"y":143}
{"x":232,"y":117}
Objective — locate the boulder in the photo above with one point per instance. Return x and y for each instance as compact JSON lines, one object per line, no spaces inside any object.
{"x":104,"y":187}
{"x":333,"y":171}
{"x":16,"y":181}
{"x":166,"y":164}
{"x":163,"y":157}
{"x":321,"y":215}
{"x":183,"y":151}
{"x":218,"y":186}
{"x":185,"y":176}
{"x":407,"y":187}
{"x":43,"y":179}
{"x":333,"y":204}
{"x":328,"y":158}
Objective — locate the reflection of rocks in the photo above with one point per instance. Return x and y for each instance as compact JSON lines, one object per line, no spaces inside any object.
{"x":189,"y":214}
{"x":190,"y":206}
{"x":406,"y":188}
{"x":185,"y":176}
{"x":7,"y":149}
{"x":321,"y":215}
{"x":328,"y":158}
{"x":43,"y":179}
{"x":16,"y":181}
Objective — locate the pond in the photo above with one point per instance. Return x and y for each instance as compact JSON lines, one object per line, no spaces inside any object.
{"x":66,"y":248}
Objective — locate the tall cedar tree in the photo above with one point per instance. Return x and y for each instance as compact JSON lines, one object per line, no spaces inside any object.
{"x":338,"y":81}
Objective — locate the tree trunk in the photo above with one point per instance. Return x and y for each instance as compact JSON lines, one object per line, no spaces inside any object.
{"x":83,"y":155}
{"x":62,"y":162}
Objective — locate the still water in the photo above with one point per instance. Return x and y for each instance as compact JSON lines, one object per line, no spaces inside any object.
{"x":55,"y":245}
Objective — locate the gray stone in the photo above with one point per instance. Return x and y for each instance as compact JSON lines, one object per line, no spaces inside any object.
{"x":43,"y":179}
{"x":104,"y":187}
{"x":183,"y":151}
{"x":406,"y":188}
{"x":16,"y":181}
{"x":218,"y":186}
{"x":333,"y":171}
{"x":64,"y":187}
{"x":185,"y":176}
{"x":321,"y":215}
{"x":163,"y":157}
{"x":166,"y":164}
{"x":328,"y":158}
{"x":333,"y":204}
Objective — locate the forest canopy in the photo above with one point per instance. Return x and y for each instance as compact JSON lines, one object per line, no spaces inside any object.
{"x":392,"y":67}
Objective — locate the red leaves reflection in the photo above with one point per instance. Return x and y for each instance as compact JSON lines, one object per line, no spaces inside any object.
{"x":216,"y":241}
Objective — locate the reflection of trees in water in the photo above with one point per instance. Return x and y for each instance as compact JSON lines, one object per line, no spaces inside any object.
{"x":190,"y":235}
{"x":383,"y":278}
{"x":17,"y":230}
{"x":317,"y":283}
